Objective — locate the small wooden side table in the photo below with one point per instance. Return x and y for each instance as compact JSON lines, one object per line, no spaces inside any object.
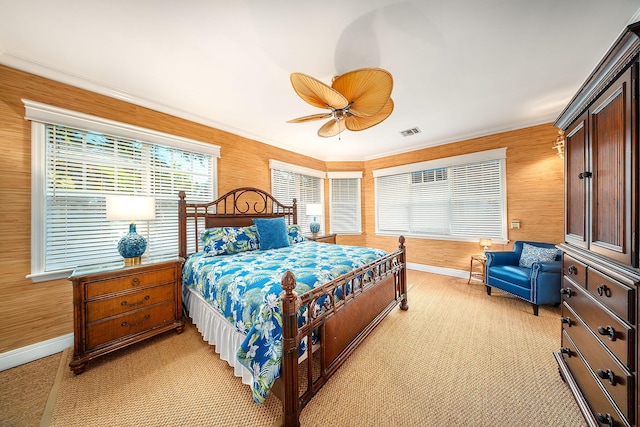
{"x":323,"y":238}
{"x":477,"y":275}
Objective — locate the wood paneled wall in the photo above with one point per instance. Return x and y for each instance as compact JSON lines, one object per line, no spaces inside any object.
{"x":35,"y":312}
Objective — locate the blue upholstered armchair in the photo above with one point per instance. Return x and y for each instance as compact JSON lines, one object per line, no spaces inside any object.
{"x":532,"y":271}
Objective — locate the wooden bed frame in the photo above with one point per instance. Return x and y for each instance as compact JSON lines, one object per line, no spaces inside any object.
{"x":375,"y":289}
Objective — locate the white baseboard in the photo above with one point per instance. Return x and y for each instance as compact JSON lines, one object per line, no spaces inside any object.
{"x":35,"y":351}
{"x":462,"y":274}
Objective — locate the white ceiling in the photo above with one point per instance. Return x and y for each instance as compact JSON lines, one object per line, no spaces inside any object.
{"x":462,"y":68}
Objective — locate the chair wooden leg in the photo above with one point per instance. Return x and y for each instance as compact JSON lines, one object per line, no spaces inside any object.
{"x":488,"y":288}
{"x":535,"y":309}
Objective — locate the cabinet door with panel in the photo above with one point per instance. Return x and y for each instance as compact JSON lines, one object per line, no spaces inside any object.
{"x":601,"y":177}
{"x":576,"y":178}
{"x":611,"y":206}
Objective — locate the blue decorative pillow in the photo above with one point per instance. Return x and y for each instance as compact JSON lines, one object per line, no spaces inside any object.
{"x":272,"y":232}
{"x":295,"y":234}
{"x":531,"y":254}
{"x":229,"y":240}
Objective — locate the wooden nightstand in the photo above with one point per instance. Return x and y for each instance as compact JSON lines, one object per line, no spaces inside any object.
{"x":323,"y":238}
{"x":115,"y":306}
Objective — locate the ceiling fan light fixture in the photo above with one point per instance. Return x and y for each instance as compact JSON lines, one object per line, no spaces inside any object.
{"x":358,"y":99}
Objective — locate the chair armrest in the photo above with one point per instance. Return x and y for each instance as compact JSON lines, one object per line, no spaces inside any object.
{"x":547,"y":267}
{"x":501,"y":258}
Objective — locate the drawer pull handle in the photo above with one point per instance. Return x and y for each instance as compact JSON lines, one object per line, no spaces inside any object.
{"x":583,"y":175}
{"x":125,"y":304}
{"x":565,"y":291}
{"x":607,"y":375}
{"x":605,"y":419}
{"x":133,"y":325}
{"x":572,"y":270}
{"x":135,"y":281}
{"x":607,"y":332}
{"x":566,"y":350}
{"x":604,"y":290}
{"x":566,"y":321}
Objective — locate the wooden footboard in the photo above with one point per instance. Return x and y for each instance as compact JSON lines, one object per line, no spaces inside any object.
{"x":368,"y":294}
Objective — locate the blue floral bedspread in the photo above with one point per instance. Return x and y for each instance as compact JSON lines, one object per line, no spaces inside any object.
{"x":245,"y":288}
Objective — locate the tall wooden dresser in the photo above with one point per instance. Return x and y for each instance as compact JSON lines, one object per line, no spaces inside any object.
{"x":598,"y":355}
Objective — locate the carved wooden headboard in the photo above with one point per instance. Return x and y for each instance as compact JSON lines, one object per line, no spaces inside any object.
{"x":236,"y":208}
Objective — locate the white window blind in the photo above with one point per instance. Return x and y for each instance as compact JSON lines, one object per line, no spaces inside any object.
{"x":79,"y":167}
{"x":304,"y":184}
{"x":463,"y":201}
{"x":345,"y":210}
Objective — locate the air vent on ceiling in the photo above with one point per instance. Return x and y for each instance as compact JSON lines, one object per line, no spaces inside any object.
{"x":410,"y":132}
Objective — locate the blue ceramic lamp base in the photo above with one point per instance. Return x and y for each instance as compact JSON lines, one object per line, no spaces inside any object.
{"x":132,"y":246}
{"x":314,"y":227}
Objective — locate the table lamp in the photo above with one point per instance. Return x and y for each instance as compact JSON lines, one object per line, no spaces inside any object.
{"x":131,"y":208}
{"x":315,"y":210}
{"x":486,"y":242}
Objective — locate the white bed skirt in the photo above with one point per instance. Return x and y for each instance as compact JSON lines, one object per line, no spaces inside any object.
{"x":217,"y":331}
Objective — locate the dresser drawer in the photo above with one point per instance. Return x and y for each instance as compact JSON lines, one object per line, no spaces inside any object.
{"x":127,"y":324}
{"x":615,"y":334}
{"x":599,"y":403}
{"x":618,"y":297}
{"x":575,"y":270}
{"x":613,"y":377}
{"x":102,"y":308}
{"x":129,"y":282}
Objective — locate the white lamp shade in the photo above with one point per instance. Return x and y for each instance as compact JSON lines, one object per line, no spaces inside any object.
{"x":314,"y":209}
{"x":485,"y":242}
{"x":130,"y":208}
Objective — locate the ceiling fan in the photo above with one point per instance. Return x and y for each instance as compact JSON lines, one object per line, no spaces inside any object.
{"x":356,"y":100}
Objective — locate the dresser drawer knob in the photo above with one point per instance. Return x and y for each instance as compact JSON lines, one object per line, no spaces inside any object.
{"x":566,"y":321}
{"x":572,"y":270}
{"x":604,"y":419}
{"x":133,"y":325}
{"x":607,"y":375}
{"x":604,"y":290}
{"x":126,"y":304}
{"x":135,"y":281}
{"x":566,"y":350}
{"x":607,"y":332}
{"x":565,"y":291}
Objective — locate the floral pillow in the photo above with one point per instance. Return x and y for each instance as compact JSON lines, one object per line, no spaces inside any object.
{"x":229,"y":240}
{"x":295,"y":233}
{"x":531,"y":254}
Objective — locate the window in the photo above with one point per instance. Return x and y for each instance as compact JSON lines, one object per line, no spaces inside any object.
{"x":344,"y":194}
{"x":79,"y":159}
{"x":304,"y":184}
{"x":461,"y":198}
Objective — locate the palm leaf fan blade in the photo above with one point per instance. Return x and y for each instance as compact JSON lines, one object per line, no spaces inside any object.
{"x":316,"y":93}
{"x":356,"y":123}
{"x":366,"y":89}
{"x":310,"y":118}
{"x":331,"y":128}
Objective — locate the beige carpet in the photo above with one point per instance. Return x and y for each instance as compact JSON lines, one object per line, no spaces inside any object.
{"x":458,"y":358}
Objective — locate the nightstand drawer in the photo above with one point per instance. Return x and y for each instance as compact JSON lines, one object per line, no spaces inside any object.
{"x":128,"y":282}
{"x":102,"y":308}
{"x":108,"y":330}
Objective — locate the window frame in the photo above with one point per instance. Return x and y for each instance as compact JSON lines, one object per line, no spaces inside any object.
{"x":333,"y":227}
{"x":303,"y":219}
{"x":42,"y":114}
{"x":447,"y":162}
